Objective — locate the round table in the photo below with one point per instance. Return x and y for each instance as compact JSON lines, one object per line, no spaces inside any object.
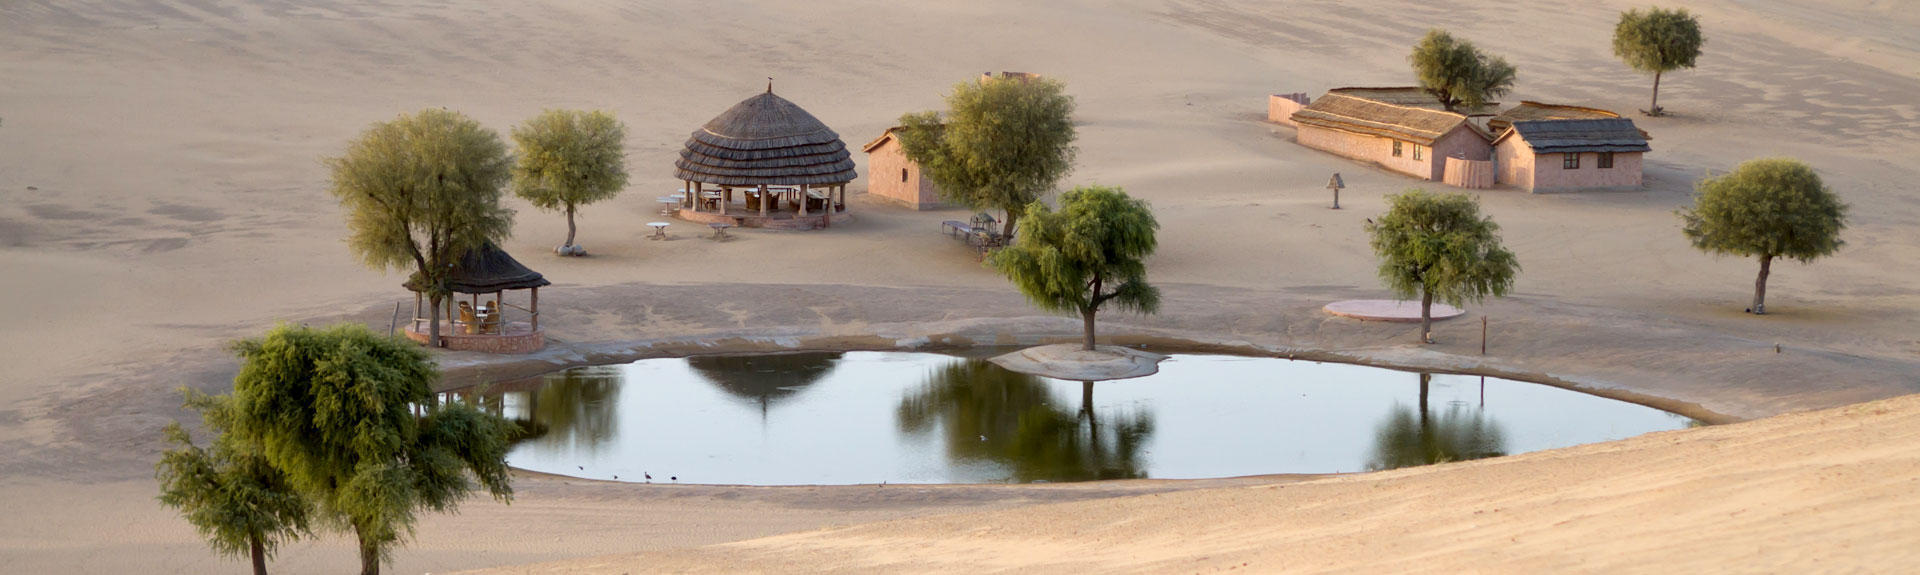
{"x":659,"y":230}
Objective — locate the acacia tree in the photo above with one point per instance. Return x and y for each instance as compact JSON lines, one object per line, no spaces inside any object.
{"x":1773,"y":207}
{"x":1002,"y":144}
{"x":1438,"y":245}
{"x":349,"y":416}
{"x":1657,"y":41}
{"x":243,"y":505}
{"x":1456,"y":73}
{"x":1089,"y":253}
{"x":420,"y":192}
{"x":569,"y":158}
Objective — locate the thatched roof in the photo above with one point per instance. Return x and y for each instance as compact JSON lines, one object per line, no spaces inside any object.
{"x":1410,"y":96}
{"x":487,"y":269}
{"x":1530,"y":110}
{"x":765,"y":140}
{"x":1342,"y":111}
{"x":1597,"y":135}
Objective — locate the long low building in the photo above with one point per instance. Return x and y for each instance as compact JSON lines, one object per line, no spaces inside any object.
{"x":1397,"y":128}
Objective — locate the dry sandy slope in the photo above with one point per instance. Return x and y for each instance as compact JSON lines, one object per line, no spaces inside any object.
{"x":160,"y":194}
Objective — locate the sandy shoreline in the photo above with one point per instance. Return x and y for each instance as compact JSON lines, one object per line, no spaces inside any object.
{"x":161,"y":195}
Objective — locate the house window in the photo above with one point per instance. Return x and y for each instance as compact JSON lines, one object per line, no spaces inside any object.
{"x":1416,"y":152}
{"x":1396,"y":148}
{"x":903,"y":174}
{"x":1571,"y":161}
{"x":1606,"y":160}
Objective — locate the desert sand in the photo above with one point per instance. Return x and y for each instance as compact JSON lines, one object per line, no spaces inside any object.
{"x":161,"y":194}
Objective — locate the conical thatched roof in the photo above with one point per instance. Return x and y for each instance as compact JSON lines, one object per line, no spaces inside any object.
{"x":765,"y":140}
{"x":487,"y":269}
{"x":766,"y":378}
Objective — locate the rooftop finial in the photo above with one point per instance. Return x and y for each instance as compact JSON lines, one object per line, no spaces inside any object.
{"x":769,"y":84}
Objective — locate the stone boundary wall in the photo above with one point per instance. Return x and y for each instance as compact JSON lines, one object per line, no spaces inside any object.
{"x":1280,"y":107}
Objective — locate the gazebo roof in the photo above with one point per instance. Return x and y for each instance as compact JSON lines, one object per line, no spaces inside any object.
{"x":767,"y":378}
{"x":768,"y":140}
{"x":487,"y":269}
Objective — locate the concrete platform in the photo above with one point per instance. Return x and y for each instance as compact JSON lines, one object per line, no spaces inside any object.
{"x":1389,"y":310}
{"x":1067,"y":361}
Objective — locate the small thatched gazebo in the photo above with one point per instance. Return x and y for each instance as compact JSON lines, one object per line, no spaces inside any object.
{"x":484,"y":325}
{"x":792,"y":169}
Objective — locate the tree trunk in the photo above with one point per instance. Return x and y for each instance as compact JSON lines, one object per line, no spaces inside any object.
{"x":1760,"y":286}
{"x":570,"y":227}
{"x":1425,"y":378}
{"x":433,"y":322}
{"x":1086,"y":316}
{"x":1013,"y":218}
{"x":1086,"y":399}
{"x":369,"y":554}
{"x":1426,"y":317}
{"x":1653,"y":109}
{"x":259,"y":552}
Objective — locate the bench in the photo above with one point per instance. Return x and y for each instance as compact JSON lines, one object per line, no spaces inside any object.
{"x":956,"y":228}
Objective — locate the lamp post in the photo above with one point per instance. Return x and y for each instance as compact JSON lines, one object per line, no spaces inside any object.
{"x":1335,"y":184}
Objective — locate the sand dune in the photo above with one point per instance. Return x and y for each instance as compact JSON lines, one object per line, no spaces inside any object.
{"x":161,"y":192}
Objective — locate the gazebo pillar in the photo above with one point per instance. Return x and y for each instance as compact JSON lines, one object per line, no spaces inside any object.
{"x":693,"y":195}
{"x":726,"y":197}
{"x":803,"y":199}
{"x":535,"y":306}
{"x":763,"y":200}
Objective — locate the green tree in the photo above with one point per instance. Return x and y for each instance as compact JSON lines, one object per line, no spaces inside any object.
{"x":1438,"y":245}
{"x":242,"y":504}
{"x":1457,"y":73}
{"x":420,"y":192}
{"x":1001,"y":145}
{"x":1773,"y":207}
{"x":1090,"y":252}
{"x":1657,"y":41}
{"x":569,"y":158}
{"x":351,"y":418}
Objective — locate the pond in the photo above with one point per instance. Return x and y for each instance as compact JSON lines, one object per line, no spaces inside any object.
{"x":898,"y":417}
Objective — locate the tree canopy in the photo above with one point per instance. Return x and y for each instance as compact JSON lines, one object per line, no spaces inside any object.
{"x":420,"y":192}
{"x":1002,"y":144}
{"x":1457,"y":73}
{"x":1769,"y":208}
{"x":569,"y":158}
{"x":349,"y":416}
{"x":1438,"y":245}
{"x":1657,"y":41}
{"x":243,"y":505}
{"x":1091,"y":252}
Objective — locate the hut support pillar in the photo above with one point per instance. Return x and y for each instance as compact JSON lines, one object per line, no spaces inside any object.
{"x":763,"y":200}
{"x":726,"y":197}
{"x":803,"y":199}
{"x":693,"y":196}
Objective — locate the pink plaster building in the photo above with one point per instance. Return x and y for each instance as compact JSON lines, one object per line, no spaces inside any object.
{"x":1401,"y":129}
{"x":1570,"y":155}
{"x":891,"y":176}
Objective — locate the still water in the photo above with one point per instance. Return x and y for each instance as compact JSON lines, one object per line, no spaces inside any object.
{"x":871,"y":417}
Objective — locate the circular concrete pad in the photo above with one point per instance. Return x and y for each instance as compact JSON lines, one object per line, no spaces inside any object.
{"x":1068,"y":361}
{"x":1389,"y":310}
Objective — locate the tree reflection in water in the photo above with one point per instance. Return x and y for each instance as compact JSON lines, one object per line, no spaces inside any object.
{"x":574,"y":408}
{"x":1408,"y":439}
{"x":989,"y":414}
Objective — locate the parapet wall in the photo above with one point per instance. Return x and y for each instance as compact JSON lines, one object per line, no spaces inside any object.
{"x":1280,"y":107}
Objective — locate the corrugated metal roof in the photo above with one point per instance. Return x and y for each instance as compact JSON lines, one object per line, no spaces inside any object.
{"x":1595,"y":135}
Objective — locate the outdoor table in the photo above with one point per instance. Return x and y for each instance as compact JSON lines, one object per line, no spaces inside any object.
{"x":710,"y":199}
{"x":719,"y":229}
{"x":659,"y":230}
{"x":668,"y":205}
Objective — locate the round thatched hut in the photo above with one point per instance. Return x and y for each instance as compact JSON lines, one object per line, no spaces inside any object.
{"x":789,"y":170}
{"x":487,"y":325}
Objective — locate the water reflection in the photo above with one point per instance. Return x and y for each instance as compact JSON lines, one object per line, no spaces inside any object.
{"x":869,"y":417}
{"x":576,"y":409}
{"x":1408,"y":438}
{"x":986,"y":414}
{"x":766,"y":379}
